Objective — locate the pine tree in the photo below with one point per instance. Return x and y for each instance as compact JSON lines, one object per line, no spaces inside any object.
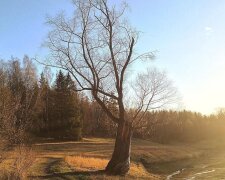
{"x":66,"y":116}
{"x":43,"y":104}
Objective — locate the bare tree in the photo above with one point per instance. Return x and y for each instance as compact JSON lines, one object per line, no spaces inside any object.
{"x":153,"y":90}
{"x":97,"y":47}
{"x":17,"y":99}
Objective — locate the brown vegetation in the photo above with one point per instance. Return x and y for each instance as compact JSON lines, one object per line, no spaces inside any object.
{"x":81,"y":163}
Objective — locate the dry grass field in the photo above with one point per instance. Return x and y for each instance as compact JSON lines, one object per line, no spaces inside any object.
{"x":86,"y":159}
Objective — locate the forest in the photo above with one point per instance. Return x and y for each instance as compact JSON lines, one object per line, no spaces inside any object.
{"x":40,"y":105}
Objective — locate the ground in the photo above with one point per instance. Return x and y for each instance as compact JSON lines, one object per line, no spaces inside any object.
{"x":86,"y":159}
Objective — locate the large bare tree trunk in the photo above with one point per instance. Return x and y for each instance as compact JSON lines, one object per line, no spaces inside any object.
{"x":120,"y":161}
{"x":96,"y":48}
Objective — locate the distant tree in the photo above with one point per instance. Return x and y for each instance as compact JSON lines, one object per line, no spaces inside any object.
{"x":20,"y":93}
{"x":65,"y":115}
{"x":96,"y":47}
{"x":60,"y":83}
{"x":96,"y":121}
{"x":87,"y":115}
{"x":15,"y":77}
{"x":41,"y":118}
{"x":70,"y":85}
{"x":46,"y":97}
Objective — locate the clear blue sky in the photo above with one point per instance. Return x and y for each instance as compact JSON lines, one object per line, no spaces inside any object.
{"x":189,"y":36}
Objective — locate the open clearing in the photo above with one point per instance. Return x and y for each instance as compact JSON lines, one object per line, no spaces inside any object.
{"x":86,"y":159}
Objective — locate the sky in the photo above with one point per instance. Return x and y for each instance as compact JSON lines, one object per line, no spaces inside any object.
{"x":188,"y":36}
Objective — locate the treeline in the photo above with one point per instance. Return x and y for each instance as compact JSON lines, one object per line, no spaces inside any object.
{"x":43,"y":106}
{"x":163,"y":126}
{"x":30,"y":105}
{"x":46,"y":106}
{"x":184,"y":126}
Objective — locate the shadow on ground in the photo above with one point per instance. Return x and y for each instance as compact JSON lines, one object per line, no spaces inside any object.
{"x":65,"y":174}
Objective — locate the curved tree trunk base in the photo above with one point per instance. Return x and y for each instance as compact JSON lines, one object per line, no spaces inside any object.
{"x":120,"y":168}
{"x":120,"y":162}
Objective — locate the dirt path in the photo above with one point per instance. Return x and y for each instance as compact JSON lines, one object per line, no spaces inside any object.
{"x":58,"y":169}
{"x":51,"y":168}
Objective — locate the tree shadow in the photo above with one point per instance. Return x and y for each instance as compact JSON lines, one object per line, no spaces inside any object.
{"x":65,"y":174}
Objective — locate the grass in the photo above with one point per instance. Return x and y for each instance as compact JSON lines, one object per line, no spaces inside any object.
{"x":81,"y":163}
{"x":79,"y":160}
{"x":86,"y":163}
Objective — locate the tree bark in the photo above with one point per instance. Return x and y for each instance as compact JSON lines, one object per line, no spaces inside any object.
{"x":120,"y":161}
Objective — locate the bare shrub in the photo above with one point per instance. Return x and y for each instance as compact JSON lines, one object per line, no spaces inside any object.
{"x":23,"y":158}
